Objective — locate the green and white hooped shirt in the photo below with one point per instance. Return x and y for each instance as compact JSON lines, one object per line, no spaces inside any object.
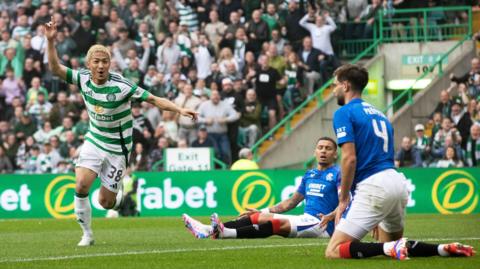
{"x":109,"y":109}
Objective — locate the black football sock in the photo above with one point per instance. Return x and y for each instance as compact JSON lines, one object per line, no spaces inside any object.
{"x":238,"y":223}
{"x":256,"y":231}
{"x":420,"y":249}
{"x":359,"y":250}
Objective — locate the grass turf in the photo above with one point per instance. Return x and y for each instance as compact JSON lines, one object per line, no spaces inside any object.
{"x":165,"y":243}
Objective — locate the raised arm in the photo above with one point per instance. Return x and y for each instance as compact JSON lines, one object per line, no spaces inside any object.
{"x":166,"y":104}
{"x":53,"y":61}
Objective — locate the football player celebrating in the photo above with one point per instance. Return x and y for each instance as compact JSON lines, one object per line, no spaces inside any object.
{"x":319,"y":190}
{"x":108,"y":141}
{"x":365,"y":136}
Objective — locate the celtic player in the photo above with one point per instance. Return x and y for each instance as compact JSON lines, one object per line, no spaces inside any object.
{"x":108,"y":142}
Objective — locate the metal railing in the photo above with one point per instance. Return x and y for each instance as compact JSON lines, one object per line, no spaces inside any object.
{"x":438,"y":64}
{"x":318,"y":95}
{"x":405,"y":25}
{"x":427,"y":30}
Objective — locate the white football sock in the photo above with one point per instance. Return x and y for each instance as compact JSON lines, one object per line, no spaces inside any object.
{"x":387,"y":248}
{"x":83,"y":212}
{"x":229,"y":233}
{"x":441,"y":250}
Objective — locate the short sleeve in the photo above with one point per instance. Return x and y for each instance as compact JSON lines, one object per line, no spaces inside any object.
{"x":301,"y":187}
{"x":139,"y":93}
{"x":342,"y":126}
{"x":73,"y":76}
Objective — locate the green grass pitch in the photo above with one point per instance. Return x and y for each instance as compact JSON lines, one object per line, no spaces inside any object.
{"x":165,"y":243}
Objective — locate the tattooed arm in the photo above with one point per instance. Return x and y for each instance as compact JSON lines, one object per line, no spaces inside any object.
{"x":287,"y":204}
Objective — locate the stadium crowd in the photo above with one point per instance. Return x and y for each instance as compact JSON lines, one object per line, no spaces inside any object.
{"x":241,"y":64}
{"x":451,"y":138}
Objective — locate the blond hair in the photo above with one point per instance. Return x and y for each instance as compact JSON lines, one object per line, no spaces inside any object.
{"x":97,"y":48}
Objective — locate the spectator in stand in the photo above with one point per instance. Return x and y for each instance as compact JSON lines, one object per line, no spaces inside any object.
{"x":43,"y":135}
{"x":69,"y":142}
{"x":12,"y":87}
{"x":65,"y":46}
{"x":266,"y":79}
{"x":408,"y":156}
{"x":24,"y":153}
{"x":11,"y":145}
{"x":334,"y":9}
{"x":461,"y":119}
{"x":33,"y":92}
{"x":310,"y":62}
{"x":278,"y":41}
{"x":48,"y":159}
{"x":472,"y":149}
{"x":421,"y":141}
{"x":245,"y":161}
{"x":142,"y":128}
{"x":187,"y":129}
{"x":450,"y":159}
{"x":157,"y":154}
{"x":61,"y":109}
{"x":82,"y":126}
{"x":353,"y":10}
{"x":22,"y":29}
{"x":216,"y":114}
{"x":237,"y":102}
{"x":447,"y":129}
{"x":257,"y":31}
{"x":471,"y":79}
{"x":445,"y":104}
{"x":233,"y":25}
{"x":250,"y":120}
{"x":26,"y":127}
{"x":40,"y":109}
{"x":187,"y":15}
{"x":368,"y":15}
{"x":168,"y":127}
{"x":294,"y":32}
{"x":227,"y":7}
{"x":436,"y":124}
{"x":272,"y":19}
{"x":84,"y":36}
{"x":320,"y":31}
{"x":204,"y":57}
{"x":6,"y":166}
{"x":138,"y":159}
{"x":215,"y":28}
{"x":205,"y":141}
{"x":32,"y":164}
{"x":167,"y":55}
{"x":31,"y":69}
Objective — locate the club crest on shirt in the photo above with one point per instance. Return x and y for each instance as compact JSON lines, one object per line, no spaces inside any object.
{"x":329,"y":177}
{"x":111,"y":97}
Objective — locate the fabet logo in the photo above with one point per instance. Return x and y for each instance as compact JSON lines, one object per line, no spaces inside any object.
{"x":455,"y":191}
{"x":58,"y":197}
{"x":252,"y":190}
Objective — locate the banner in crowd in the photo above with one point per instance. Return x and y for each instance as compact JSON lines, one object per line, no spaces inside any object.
{"x":201,"y":193}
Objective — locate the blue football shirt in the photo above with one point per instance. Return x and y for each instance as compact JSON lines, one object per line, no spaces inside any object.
{"x":320,"y":189}
{"x":361,"y":123}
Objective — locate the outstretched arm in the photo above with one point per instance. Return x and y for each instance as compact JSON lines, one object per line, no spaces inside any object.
{"x":53,"y":62}
{"x":281,"y":207}
{"x":166,"y":104}
{"x":287,"y":204}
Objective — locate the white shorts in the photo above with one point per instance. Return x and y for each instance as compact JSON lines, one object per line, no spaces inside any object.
{"x":110,"y":168}
{"x":303,"y":226}
{"x":380,"y":199}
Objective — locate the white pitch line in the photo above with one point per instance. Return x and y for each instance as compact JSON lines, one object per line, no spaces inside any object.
{"x":181,"y":250}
